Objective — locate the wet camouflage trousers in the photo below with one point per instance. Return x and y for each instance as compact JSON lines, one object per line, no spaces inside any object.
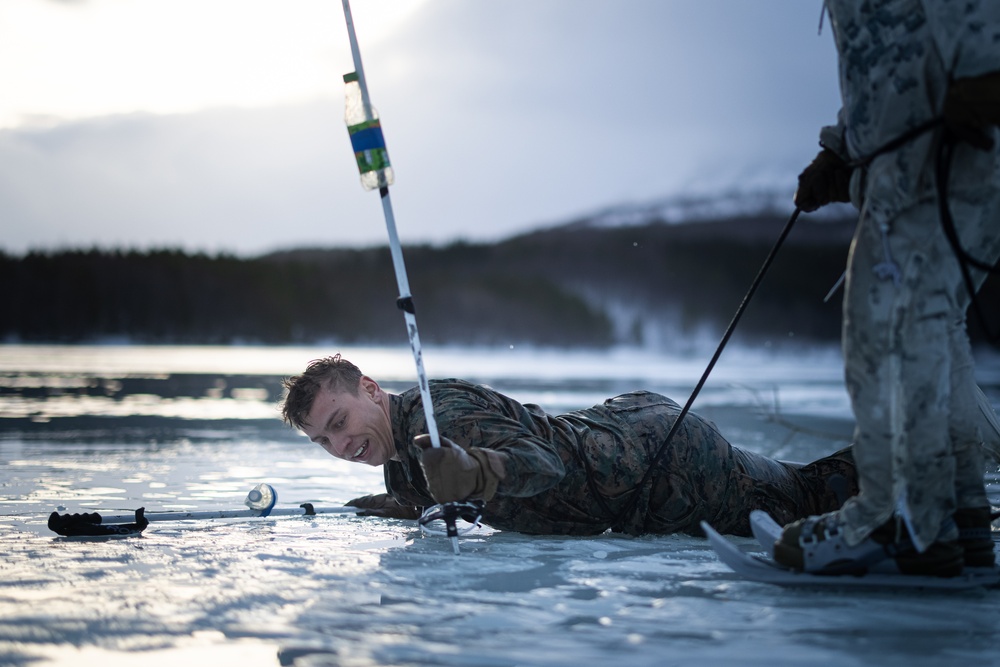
{"x":702,"y":477}
{"x":584,"y":472}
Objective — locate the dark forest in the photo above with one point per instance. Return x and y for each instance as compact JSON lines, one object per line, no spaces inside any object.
{"x":577,"y":285}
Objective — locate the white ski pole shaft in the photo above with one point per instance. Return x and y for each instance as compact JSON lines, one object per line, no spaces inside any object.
{"x":356,"y":55}
{"x":409,"y":314}
{"x":405,"y":301}
{"x":224,"y":514}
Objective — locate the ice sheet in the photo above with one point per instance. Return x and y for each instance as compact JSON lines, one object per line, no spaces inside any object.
{"x":352,"y":591}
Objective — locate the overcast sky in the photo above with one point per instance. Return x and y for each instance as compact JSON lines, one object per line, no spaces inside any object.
{"x":217,"y":125}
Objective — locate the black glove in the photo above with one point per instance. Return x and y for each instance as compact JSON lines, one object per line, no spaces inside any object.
{"x":385,"y":506}
{"x":824,"y":181}
{"x":972,"y":106}
{"x":456,"y":474}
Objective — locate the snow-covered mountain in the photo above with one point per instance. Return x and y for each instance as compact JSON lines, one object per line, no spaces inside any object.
{"x":678,"y":209}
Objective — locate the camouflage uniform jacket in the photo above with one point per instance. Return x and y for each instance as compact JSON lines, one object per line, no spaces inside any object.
{"x":577,"y":473}
{"x":896,"y":59}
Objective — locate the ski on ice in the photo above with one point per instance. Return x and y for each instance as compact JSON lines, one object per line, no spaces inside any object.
{"x":766,"y":530}
{"x":762,"y":568}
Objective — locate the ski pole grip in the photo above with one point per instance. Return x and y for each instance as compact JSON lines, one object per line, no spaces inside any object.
{"x":89,"y":525}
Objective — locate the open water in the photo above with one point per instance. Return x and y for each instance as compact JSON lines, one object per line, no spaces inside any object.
{"x":113,"y":428}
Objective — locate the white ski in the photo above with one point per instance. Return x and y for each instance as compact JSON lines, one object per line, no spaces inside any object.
{"x":763,"y":569}
{"x":766,"y":530}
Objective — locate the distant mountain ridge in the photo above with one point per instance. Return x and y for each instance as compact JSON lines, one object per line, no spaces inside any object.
{"x":663,"y":274}
{"x":736,"y":215}
{"x":732,"y":204}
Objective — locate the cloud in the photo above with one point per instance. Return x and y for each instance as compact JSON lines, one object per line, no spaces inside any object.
{"x":498,"y":116}
{"x":239,"y":180}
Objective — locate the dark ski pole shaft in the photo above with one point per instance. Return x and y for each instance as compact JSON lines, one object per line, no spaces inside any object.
{"x":650,"y":470}
{"x":369,"y":147}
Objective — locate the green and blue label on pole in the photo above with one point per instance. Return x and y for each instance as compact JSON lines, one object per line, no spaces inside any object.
{"x":367,"y":140}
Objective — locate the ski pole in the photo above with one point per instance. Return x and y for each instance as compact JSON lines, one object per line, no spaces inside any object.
{"x":306,"y":509}
{"x":260,"y":501}
{"x":370,"y":152}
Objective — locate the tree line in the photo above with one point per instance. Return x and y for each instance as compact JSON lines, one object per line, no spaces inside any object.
{"x":570,"y":286}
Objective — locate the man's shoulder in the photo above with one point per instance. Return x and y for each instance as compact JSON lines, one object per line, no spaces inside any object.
{"x":450,"y":390}
{"x":441,"y":385}
{"x":457,"y":383}
{"x":641,"y":398}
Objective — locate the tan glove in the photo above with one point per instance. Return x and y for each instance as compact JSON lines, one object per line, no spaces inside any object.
{"x":826,"y":180}
{"x":972,"y":106}
{"x":456,"y":474}
{"x":385,"y":506}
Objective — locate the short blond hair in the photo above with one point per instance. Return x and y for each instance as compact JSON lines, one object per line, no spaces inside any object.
{"x":334,"y":373}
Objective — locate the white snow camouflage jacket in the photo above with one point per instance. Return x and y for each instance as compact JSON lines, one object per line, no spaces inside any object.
{"x":896,"y":59}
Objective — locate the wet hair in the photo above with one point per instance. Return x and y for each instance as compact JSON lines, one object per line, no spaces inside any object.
{"x":334,"y":373}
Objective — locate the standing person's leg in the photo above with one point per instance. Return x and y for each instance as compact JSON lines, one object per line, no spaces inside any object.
{"x":909,"y":372}
{"x":972,"y":514}
{"x":989,"y":426}
{"x":971,"y":428}
{"x":897,"y":370}
{"x":896,"y":333}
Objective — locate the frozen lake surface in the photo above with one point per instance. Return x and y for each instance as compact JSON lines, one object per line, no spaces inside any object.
{"x":168,"y":428}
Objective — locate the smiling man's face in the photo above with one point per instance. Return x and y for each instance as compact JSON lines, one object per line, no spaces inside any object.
{"x":352,"y":427}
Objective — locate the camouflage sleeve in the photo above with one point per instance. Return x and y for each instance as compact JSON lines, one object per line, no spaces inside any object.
{"x":531,"y":464}
{"x":833,"y":137}
{"x":474,"y":416}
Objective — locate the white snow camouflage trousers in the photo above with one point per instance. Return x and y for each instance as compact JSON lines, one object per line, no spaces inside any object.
{"x":909,"y":371}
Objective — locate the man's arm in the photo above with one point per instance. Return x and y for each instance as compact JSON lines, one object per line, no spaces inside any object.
{"x":454,"y":473}
{"x":384,"y":505}
{"x":500,"y":446}
{"x":828,"y":178}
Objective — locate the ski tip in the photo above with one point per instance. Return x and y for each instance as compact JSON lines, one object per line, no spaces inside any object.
{"x":763,"y":569}
{"x":765,"y":530}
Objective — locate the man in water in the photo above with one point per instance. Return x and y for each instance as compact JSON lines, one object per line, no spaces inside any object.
{"x":580,"y":473}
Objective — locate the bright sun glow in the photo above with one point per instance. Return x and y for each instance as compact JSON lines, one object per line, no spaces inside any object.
{"x":73,"y":59}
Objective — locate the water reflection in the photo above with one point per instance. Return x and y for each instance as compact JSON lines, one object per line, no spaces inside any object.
{"x":146,"y":394}
{"x":186,"y":396}
{"x":45,"y":384}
